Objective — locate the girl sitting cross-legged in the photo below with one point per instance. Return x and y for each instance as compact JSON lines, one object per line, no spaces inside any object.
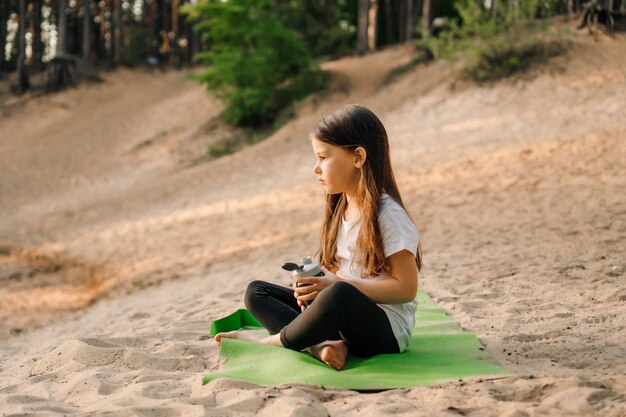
{"x":369,"y":251}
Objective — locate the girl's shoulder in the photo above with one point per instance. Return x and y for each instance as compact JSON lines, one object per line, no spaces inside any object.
{"x":392,"y":212}
{"x":397,"y":230}
{"x":389,"y":205}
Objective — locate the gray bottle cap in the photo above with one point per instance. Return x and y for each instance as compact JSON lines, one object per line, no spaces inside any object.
{"x":311,"y":268}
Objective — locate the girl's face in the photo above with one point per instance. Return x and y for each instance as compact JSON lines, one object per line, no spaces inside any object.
{"x":335,"y":167}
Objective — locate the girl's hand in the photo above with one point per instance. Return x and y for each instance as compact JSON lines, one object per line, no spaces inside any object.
{"x":300,"y":303}
{"x":316,"y":284}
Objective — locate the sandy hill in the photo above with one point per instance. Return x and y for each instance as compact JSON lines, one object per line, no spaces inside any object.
{"x":517,"y":188}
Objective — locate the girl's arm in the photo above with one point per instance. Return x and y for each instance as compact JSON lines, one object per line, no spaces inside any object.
{"x":400,"y":287}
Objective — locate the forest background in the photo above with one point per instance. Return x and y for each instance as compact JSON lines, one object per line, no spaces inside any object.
{"x":264,"y":55}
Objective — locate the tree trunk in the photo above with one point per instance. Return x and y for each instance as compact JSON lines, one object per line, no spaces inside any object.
{"x":116,"y":31}
{"x":174,"y":58}
{"x":22,"y":71}
{"x":388,"y":22}
{"x":37,"y":43}
{"x":362,"y":27}
{"x":494,"y":9}
{"x":122,"y":32}
{"x":166,"y":31}
{"x":105,"y":40}
{"x":409,"y":20}
{"x":570,"y":9}
{"x":62,"y":39}
{"x":3,"y":31}
{"x":87,"y":30}
{"x":156,"y":41}
{"x":61,"y":72}
{"x":372,"y":19}
{"x":147,"y":21}
{"x":427,"y":17}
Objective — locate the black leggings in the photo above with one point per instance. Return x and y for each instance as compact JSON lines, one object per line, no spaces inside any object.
{"x":339,"y":311}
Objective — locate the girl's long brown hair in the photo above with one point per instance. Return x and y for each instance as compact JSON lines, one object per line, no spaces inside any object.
{"x":350,"y":127}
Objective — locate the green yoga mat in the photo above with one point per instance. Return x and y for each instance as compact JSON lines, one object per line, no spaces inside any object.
{"x":440,"y":351}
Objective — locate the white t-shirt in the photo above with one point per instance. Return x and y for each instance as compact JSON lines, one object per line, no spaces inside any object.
{"x":398,"y":233}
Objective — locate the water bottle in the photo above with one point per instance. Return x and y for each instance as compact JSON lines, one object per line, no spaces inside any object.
{"x":308,"y":268}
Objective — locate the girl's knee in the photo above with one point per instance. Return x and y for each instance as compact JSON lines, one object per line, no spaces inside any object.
{"x":339,"y":290}
{"x":254,"y":289}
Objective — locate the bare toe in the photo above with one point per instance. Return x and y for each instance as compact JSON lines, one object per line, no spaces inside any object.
{"x":250,"y":335}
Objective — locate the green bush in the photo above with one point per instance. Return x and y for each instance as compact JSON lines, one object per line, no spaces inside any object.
{"x":327,"y":29}
{"x":474,"y":14}
{"x":494,"y":48}
{"x":136,"y":46}
{"x":257,"y":66}
{"x":506,"y":56}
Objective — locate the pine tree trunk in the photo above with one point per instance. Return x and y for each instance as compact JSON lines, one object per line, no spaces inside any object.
{"x":494,"y":9}
{"x":116,"y":31}
{"x":409,"y":20}
{"x":372,"y":19}
{"x":174,"y":59}
{"x":147,"y":21}
{"x":62,"y":39}
{"x":399,"y":20}
{"x":3,"y":31}
{"x":37,"y":43}
{"x":388,"y":22}
{"x":156,"y":41}
{"x":105,"y":42}
{"x":570,"y":8}
{"x":362,"y":27}
{"x":166,"y":31}
{"x":108,"y":31}
{"x":87,"y":30}
{"x":62,"y":70}
{"x":122,"y":32}
{"x":22,"y":71}
{"x":427,"y":17}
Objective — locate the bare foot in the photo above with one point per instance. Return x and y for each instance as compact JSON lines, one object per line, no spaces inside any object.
{"x":332,"y":352}
{"x":251,"y":336}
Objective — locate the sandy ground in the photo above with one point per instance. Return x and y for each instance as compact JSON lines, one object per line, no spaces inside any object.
{"x":517,"y":188}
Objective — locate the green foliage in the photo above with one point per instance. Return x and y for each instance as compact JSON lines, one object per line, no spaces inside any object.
{"x":447,"y":43}
{"x":474,"y":14}
{"x":508,"y":55}
{"x":327,"y":30}
{"x":257,"y":65}
{"x":497,"y":47}
{"x":136,"y":49}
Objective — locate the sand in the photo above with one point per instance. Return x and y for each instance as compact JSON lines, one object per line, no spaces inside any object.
{"x":118,"y":246}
